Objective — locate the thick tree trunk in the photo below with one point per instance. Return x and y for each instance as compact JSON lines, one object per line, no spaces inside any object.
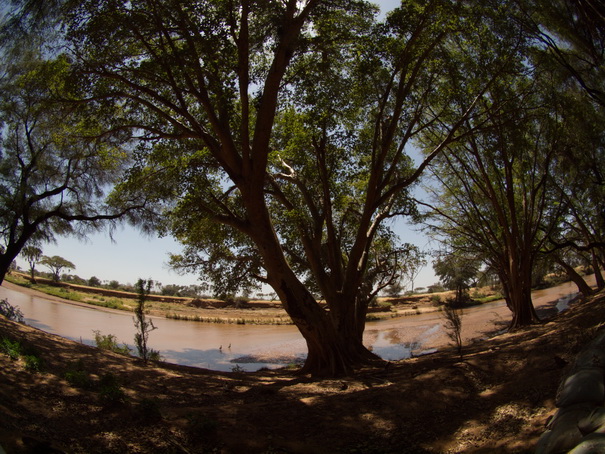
{"x":13,"y":249}
{"x":517,"y":282}
{"x":5,"y":264}
{"x":6,"y":260}
{"x":597,"y":272}
{"x":335,"y":344}
{"x":334,"y":339}
{"x":583,"y":287}
{"x":524,"y":313}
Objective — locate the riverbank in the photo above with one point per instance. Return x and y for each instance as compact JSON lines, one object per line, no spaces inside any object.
{"x":251,"y":312}
{"x":496,"y":399}
{"x":225,"y":346}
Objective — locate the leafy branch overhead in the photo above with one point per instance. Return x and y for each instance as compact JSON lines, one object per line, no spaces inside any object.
{"x":275,"y":136}
{"x":54,"y":180}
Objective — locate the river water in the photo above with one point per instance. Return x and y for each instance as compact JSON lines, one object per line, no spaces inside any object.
{"x":250,"y":347}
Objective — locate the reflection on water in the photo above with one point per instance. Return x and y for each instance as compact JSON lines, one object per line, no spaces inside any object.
{"x":563,"y":303}
{"x":391,"y":343}
{"x":213,"y":346}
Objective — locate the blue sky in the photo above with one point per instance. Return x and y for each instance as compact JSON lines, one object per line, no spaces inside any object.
{"x":132,"y":255}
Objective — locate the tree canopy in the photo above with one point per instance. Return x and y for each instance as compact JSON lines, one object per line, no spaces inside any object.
{"x":279,"y":132}
{"x":54,"y":179}
{"x":524,"y":185}
{"x":33,"y":255}
{"x":273,"y":140}
{"x":56,"y":264}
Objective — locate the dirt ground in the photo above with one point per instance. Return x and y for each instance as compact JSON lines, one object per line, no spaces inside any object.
{"x":497,"y":398}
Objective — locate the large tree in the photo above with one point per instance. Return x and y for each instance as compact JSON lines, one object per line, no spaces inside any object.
{"x":456,"y":272}
{"x":581,"y":182}
{"x":32,"y":254}
{"x":274,"y":135}
{"x":569,"y":37}
{"x":56,"y":264}
{"x":495,"y":198}
{"x":53,"y":179}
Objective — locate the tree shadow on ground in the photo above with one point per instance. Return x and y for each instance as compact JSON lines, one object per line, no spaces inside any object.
{"x":496,"y":399}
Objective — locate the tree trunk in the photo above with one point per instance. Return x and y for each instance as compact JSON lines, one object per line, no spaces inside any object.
{"x":334,"y":339}
{"x":597,"y":272}
{"x":7,"y":258}
{"x":5,"y":263}
{"x":518,"y":283}
{"x":524,"y":313}
{"x":334,"y":343}
{"x":13,"y":249}
{"x":583,"y":287}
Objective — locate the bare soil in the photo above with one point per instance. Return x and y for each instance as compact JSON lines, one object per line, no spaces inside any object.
{"x":497,"y":398}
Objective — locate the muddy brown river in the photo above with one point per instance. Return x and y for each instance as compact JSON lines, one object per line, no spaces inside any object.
{"x":251,"y":347}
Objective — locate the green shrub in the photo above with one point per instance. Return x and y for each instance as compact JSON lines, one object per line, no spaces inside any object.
{"x":33,"y":363}
{"x":15,"y":349}
{"x":489,"y":299}
{"x":11,"y":348}
{"x":63,"y":292}
{"x":154,"y":355}
{"x":113,"y":303}
{"x":77,"y":376}
{"x":142,"y":325}
{"x":110,"y":342}
{"x":436,"y":299}
{"x":110,"y":391}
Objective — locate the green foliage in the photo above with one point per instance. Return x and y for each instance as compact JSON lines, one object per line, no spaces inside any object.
{"x":56,"y":264}
{"x":110,"y":390}
{"x":61,"y":292}
{"x":109,"y":342}
{"x":142,"y":325}
{"x":275,"y":143}
{"x":10,"y":347}
{"x":77,"y":375}
{"x":32,"y":254}
{"x":356,"y":89}
{"x":237,"y":369}
{"x":108,"y":386}
{"x":154,"y":355}
{"x":436,"y":299}
{"x":15,"y":350}
{"x":33,"y":363}
{"x":570,"y":35}
{"x":112,"y":303}
{"x":94,"y":281}
{"x":488,"y":299}
{"x":456,"y":272}
{"x":53,"y":176}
